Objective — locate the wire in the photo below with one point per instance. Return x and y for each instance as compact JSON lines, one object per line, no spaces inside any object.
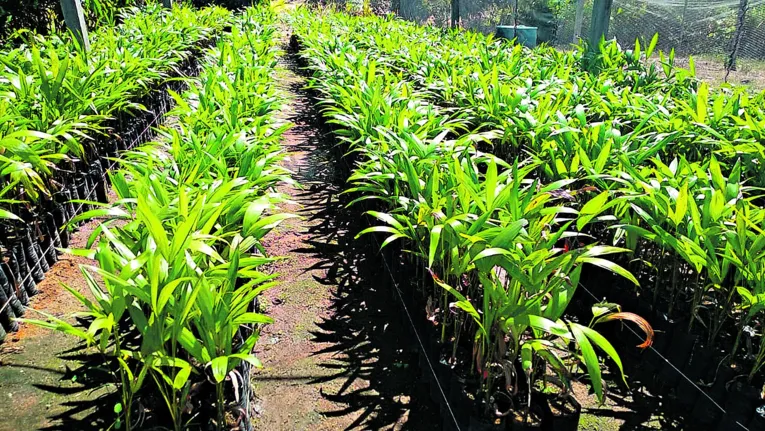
{"x":419,"y":340}
{"x":663,"y":358}
{"x":20,"y":284}
{"x":671,"y":365}
{"x":432,"y":370}
{"x":414,"y":328}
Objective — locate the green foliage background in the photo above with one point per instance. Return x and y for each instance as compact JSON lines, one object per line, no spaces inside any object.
{"x":36,"y":15}
{"x":41,"y":16}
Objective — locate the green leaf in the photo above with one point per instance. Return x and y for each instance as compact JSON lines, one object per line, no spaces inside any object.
{"x":604,"y":345}
{"x":192,"y":345}
{"x":557,"y":328}
{"x":602,"y":250}
{"x":652,"y":45}
{"x":592,"y":208}
{"x":717,"y":177}
{"x":489,"y":252}
{"x":387,"y":218}
{"x":682,"y":205}
{"x":590,"y":359}
{"x":154,"y":226}
{"x":386,"y":229}
{"x":607,"y":264}
{"x":702,"y":102}
{"x":167,"y":292}
{"x":8,"y":215}
{"x":182,"y":377}
{"x":219,"y":368}
{"x":252,"y":318}
{"x":435,"y":237}
{"x":506,"y":238}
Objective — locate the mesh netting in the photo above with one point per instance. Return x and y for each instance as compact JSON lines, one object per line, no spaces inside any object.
{"x":710,"y":30}
{"x":436,"y":12}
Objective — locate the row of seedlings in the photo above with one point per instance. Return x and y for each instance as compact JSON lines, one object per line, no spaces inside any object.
{"x":65,"y":114}
{"x":677,"y":168}
{"x":487,"y":233}
{"x":180,"y":260}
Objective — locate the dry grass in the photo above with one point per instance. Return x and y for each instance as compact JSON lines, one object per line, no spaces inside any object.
{"x":750,"y":73}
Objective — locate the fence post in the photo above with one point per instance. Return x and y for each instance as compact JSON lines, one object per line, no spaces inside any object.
{"x":601,"y":15}
{"x":743,"y":6}
{"x":455,"y":13}
{"x":682,"y":27}
{"x":75,"y":20}
{"x":579,"y":20}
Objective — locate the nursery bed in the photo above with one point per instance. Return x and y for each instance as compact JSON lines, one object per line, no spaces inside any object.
{"x":473,"y":314}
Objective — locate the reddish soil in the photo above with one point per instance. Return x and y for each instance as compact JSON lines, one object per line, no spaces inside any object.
{"x":53,"y":299}
{"x":292,"y":359}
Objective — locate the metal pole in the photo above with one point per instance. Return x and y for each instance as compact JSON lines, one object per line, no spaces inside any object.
{"x":742,"y":8}
{"x":579,"y":20}
{"x":601,"y":15}
{"x":75,"y":20}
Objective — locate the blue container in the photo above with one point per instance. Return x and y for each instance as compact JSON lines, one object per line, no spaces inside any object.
{"x":526,"y":36}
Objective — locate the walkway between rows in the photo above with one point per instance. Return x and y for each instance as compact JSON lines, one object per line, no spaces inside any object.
{"x":333,"y":358}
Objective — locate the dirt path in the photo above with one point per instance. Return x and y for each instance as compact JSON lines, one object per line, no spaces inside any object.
{"x":332,"y":359}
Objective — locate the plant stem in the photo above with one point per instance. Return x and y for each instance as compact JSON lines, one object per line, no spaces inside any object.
{"x":698,"y":293}
{"x":658,"y":277}
{"x":673,"y":295}
{"x":127,"y":392}
{"x":221,"y":407}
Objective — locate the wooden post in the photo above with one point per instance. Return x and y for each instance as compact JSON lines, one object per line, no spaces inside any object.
{"x":579,"y":20}
{"x":167,"y":4}
{"x":75,"y":20}
{"x":455,"y":13}
{"x":601,"y":15}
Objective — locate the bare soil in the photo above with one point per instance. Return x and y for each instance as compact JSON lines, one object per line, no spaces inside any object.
{"x":332,"y":359}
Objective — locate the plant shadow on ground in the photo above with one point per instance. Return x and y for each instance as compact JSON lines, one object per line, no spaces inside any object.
{"x":633,"y":408}
{"x":370,"y":348}
{"x":86,"y":392}
{"x":629,"y":410}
